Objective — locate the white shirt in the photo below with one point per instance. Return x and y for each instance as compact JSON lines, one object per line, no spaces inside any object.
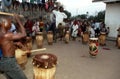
{"x":59,"y":17}
{"x":13,"y":28}
{"x":92,"y":32}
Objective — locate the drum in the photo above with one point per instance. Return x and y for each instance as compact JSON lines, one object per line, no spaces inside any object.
{"x":93,"y":46}
{"x":85,"y":38}
{"x":118,"y":41}
{"x":29,"y":42}
{"x":67,"y":37}
{"x":50,"y":37}
{"x":44,"y":66}
{"x":29,"y":45}
{"x":39,"y":39}
{"x":21,"y":57}
{"x":102,"y":39}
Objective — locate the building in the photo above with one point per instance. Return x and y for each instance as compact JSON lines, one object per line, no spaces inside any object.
{"x":112,"y":15}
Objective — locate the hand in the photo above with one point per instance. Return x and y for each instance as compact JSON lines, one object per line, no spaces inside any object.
{"x":27,"y":51}
{"x":16,"y":16}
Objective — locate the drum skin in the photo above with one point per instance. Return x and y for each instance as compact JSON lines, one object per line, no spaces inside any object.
{"x":102,"y":39}
{"x":39,"y":40}
{"x":44,"y":66}
{"x":67,"y":37}
{"x":21,"y":57}
{"x":50,"y":37}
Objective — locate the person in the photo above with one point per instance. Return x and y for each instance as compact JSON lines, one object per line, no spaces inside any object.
{"x":8,"y":63}
{"x":75,"y":29}
{"x":107,"y":30}
{"x":28,"y":26}
{"x":92,"y":32}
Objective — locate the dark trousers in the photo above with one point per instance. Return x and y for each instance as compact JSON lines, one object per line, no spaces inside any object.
{"x":54,"y":30}
{"x":11,"y":69}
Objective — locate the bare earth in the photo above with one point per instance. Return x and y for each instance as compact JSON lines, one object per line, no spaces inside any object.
{"x":74,"y":61}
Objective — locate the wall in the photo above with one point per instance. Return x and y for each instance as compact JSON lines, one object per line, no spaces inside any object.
{"x":112,"y":18}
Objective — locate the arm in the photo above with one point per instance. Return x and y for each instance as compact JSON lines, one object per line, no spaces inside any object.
{"x":20,"y":35}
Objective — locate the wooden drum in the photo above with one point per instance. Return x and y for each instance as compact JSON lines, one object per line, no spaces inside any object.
{"x":102,"y":39}
{"x":44,"y":66}
{"x":39,"y":39}
{"x":21,"y":57}
{"x":29,"y":43}
{"x":85,"y":37}
{"x":118,"y":41}
{"x":67,"y":37}
{"x":50,"y":37}
{"x":93,"y":46}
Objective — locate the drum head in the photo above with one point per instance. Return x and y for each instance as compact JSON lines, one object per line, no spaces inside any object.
{"x":45,"y":60}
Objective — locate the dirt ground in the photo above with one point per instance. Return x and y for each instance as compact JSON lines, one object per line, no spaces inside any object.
{"x":74,"y":61}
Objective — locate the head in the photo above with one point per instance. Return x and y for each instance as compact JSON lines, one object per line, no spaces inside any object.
{"x":61,"y":9}
{"x":6,"y":24}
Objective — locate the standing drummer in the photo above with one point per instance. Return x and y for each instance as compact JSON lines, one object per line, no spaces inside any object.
{"x":8,"y":63}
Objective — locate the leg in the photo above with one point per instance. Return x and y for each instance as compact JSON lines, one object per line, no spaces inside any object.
{"x":12,"y":70}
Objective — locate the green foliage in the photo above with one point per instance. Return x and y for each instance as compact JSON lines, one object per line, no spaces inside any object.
{"x":99,"y":17}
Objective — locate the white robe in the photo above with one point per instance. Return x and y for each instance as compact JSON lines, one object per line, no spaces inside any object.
{"x":75,"y":30}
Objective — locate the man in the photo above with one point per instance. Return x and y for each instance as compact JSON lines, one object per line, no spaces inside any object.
{"x":8,"y":62}
{"x":60,"y":16}
{"x":52,"y":24}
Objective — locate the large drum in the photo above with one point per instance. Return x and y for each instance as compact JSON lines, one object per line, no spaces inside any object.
{"x":21,"y":57}
{"x":85,"y":37}
{"x":93,"y":46}
{"x":67,"y":37}
{"x":118,"y":41}
{"x":39,"y":39}
{"x":44,"y":66}
{"x":29,"y":43}
{"x":102,"y":38}
{"x":50,"y":37}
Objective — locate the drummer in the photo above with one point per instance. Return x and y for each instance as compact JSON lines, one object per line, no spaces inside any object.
{"x":103,"y":29}
{"x":8,"y":62}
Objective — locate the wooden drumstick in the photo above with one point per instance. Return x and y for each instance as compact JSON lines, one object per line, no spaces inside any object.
{"x":36,"y":50}
{"x":9,"y":14}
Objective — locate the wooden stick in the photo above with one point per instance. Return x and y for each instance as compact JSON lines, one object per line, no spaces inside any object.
{"x":9,"y":14}
{"x":36,"y":50}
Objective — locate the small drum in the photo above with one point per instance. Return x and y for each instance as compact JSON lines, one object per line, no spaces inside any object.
{"x":102,"y":39}
{"x":39,"y":39}
{"x":50,"y":37}
{"x":67,"y":37}
{"x":85,"y":38}
{"x":44,"y":66}
{"x":93,"y":46}
{"x":118,"y":41}
{"x":21,"y":57}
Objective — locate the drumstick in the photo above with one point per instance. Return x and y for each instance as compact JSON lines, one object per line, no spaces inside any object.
{"x":9,"y":14}
{"x":42,"y":49}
